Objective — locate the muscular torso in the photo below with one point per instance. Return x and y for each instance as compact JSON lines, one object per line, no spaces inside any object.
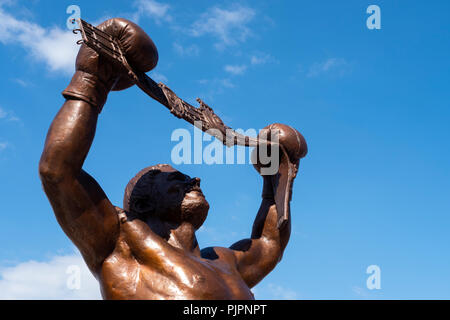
{"x":128,"y":258}
{"x":132,"y":272}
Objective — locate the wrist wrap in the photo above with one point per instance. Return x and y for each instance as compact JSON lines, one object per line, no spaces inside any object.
{"x":87,"y":87}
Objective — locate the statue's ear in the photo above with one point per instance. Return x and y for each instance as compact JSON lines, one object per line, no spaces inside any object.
{"x":282,"y":184}
{"x":143,"y":205}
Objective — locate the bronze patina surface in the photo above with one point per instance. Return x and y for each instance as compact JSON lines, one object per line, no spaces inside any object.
{"x":148,"y":249}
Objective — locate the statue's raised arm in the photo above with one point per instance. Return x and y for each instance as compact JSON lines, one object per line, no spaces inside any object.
{"x":256,"y":256}
{"x":80,"y":205}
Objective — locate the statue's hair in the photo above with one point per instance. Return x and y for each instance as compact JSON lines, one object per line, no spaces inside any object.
{"x":141,"y":186}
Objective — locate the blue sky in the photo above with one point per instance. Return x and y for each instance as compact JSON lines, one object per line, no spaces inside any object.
{"x":373,"y":105}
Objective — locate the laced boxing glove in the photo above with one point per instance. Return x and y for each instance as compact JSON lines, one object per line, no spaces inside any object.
{"x":293,"y":148}
{"x":292,"y":141}
{"x":95,"y":77}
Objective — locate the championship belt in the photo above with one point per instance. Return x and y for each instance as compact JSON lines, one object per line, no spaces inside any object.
{"x":110,"y":48}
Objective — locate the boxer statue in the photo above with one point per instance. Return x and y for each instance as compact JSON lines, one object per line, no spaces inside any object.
{"x":148,"y":248}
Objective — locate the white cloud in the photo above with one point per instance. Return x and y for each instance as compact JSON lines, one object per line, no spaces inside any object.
{"x":48,"y":280}
{"x":3,"y":146}
{"x":235,"y":69}
{"x":192,"y":50}
{"x":226,"y":83}
{"x":331,"y":64}
{"x":156,"y":10}
{"x":257,"y":60}
{"x":228,"y":26}
{"x":3,"y":113}
{"x":22,"y":83}
{"x":360,"y":291}
{"x":210,"y":88}
{"x":262,"y":58}
{"x":274,"y":292}
{"x":8,"y":115}
{"x":211,"y":234}
{"x":159,"y":77}
{"x":280,"y":292}
{"x":55,"y":47}
{"x":58,"y":49}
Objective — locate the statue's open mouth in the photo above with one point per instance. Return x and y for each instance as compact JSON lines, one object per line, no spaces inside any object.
{"x":194,"y":188}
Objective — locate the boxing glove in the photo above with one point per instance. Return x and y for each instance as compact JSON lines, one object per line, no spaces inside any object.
{"x":291,"y":140}
{"x":95,"y":76}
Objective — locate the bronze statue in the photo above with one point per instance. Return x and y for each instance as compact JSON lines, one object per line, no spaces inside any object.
{"x":148,"y":249}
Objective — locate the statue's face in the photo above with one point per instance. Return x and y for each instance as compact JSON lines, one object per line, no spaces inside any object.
{"x":180,"y":198}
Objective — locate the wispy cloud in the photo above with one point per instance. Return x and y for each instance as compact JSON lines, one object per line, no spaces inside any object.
{"x":159,"y":77}
{"x":337,"y":65}
{"x":158,"y":11}
{"x":217,"y":82}
{"x":211,"y":234}
{"x":48,"y":280}
{"x":255,"y":60}
{"x":192,"y":50}
{"x":3,"y":145}
{"x":273,"y":291}
{"x":228,"y":26}
{"x":22,"y":83}
{"x":8,"y":115}
{"x":235,"y":69}
{"x":262,"y":58}
{"x":210,"y":88}
{"x":359,"y":291}
{"x":55,"y":47}
{"x":282,"y":293}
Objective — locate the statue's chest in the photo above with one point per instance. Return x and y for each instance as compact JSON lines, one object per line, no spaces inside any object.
{"x":180,"y":277}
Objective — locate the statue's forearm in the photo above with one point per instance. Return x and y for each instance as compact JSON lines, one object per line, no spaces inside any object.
{"x":68,"y":140}
{"x":265,"y":224}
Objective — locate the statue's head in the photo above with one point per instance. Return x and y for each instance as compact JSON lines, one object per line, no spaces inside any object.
{"x":163,"y":192}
